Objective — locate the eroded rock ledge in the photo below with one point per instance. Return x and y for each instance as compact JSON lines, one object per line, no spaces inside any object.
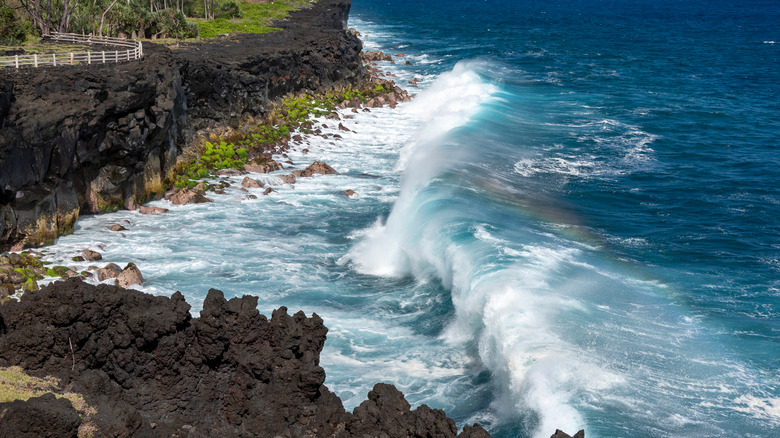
{"x":150,"y":369}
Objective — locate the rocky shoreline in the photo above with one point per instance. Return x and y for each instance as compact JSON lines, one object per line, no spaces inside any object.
{"x":145,"y":367}
{"x":111,"y":139}
{"x":88,"y":139}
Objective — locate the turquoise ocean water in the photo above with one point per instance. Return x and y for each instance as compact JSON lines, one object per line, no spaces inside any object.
{"x":575,"y":224}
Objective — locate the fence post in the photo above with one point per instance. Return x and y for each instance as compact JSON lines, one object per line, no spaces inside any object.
{"x":17,"y":61}
{"x":89,"y":58}
{"x":128,"y":55}
{"x":35,"y":57}
{"x":71,"y":58}
{"x":54,"y":59}
{"x":104,"y":56}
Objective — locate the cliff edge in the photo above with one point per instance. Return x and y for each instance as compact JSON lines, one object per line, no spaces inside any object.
{"x":93,"y":138}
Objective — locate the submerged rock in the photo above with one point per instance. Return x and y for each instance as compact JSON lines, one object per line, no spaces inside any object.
{"x":144,"y":209}
{"x":252,"y":183}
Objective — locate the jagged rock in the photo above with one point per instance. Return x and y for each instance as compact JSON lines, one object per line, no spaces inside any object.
{"x":343,"y":128}
{"x":186,"y":196}
{"x":44,"y":416}
{"x":268,"y":191}
{"x":252,"y":183}
{"x":91,"y":256}
{"x":146,"y":209}
{"x":318,"y":167}
{"x":349,"y":193}
{"x":117,"y":227}
{"x":129,"y":276}
{"x":111,"y":270}
{"x":151,"y":369}
{"x":561,"y":434}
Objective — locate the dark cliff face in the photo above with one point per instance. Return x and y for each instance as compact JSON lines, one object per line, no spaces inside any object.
{"x":152,"y":370}
{"x":87,"y":139}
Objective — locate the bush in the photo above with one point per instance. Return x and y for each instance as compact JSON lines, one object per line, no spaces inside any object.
{"x":229,"y":9}
{"x":12,"y":30}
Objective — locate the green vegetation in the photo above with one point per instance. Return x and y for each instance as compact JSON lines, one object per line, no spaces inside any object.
{"x":21,"y":20}
{"x":254,"y":17}
{"x":291,"y":114}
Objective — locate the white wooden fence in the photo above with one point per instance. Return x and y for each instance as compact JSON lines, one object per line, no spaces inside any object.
{"x":131,"y":50}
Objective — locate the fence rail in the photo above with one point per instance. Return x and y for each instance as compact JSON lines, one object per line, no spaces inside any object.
{"x":134,"y":50}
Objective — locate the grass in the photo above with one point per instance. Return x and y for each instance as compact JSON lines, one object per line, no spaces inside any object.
{"x":15,"y":384}
{"x":34,"y":44}
{"x":256,"y":18}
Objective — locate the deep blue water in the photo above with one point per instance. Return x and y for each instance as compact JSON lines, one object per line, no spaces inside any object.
{"x":630,"y":152}
{"x":575,"y":224}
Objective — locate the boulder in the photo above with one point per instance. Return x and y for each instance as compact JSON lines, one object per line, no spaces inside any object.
{"x":263,"y":166}
{"x":230,"y":172}
{"x":91,"y":256}
{"x":287,"y":179}
{"x":129,"y":276}
{"x":350,"y":192}
{"x":117,"y":227}
{"x":252,"y":183}
{"x":44,"y":416}
{"x":186,"y":196}
{"x":145,"y":209}
{"x":561,"y":434}
{"x":318,"y":167}
{"x":111,"y":270}
{"x":268,"y":191}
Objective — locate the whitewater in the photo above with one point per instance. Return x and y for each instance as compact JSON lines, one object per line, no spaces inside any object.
{"x":540,"y":240}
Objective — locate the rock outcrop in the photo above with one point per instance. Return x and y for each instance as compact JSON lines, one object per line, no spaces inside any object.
{"x":150,"y":369}
{"x":87,"y":139}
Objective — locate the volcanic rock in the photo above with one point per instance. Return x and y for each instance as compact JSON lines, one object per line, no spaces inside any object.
{"x":151,"y":369}
{"x":129,"y":276}
{"x":252,"y":183}
{"x":186,"y":196}
{"x":146,"y":209}
{"x":318,"y":167}
{"x":111,"y":270}
{"x":91,"y":256}
{"x":44,"y":416}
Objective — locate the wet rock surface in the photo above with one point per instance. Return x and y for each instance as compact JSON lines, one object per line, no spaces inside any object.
{"x":150,"y":369}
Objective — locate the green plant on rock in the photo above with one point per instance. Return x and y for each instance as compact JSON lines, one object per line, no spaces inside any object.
{"x":57,"y":271}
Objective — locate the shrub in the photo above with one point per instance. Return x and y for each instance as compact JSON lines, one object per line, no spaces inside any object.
{"x":12,"y":30}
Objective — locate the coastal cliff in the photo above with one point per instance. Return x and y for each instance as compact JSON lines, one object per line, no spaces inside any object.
{"x":147,"y":368}
{"x":88,"y":139}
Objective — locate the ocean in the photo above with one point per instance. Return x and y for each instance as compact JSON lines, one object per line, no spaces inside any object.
{"x":574,"y":225}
